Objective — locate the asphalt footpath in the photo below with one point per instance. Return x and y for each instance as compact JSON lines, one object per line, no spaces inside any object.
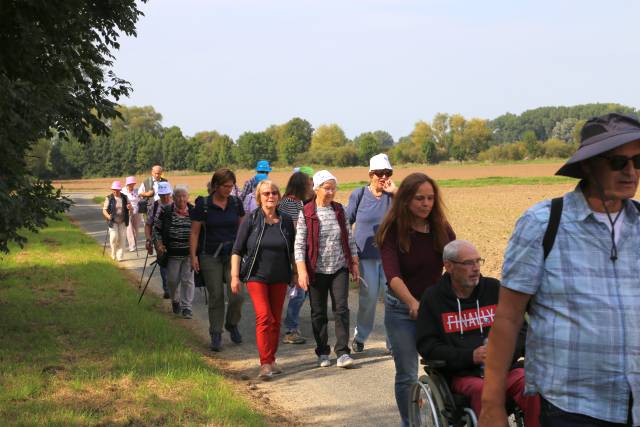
{"x":359,"y":396}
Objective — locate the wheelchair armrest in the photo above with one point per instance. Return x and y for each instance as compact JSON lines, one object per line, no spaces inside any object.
{"x":434,"y":364}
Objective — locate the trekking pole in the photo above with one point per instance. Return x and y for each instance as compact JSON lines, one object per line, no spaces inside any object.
{"x":106,"y":237}
{"x":154,"y":263}
{"x":143,"y":269}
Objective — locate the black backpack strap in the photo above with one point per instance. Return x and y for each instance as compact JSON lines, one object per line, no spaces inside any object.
{"x":360,"y":196}
{"x":636,"y":204}
{"x":552,"y":227}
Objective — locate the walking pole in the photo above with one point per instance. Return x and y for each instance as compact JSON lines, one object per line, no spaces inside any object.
{"x":154,"y":263}
{"x":143,"y":269}
{"x":106,"y":237}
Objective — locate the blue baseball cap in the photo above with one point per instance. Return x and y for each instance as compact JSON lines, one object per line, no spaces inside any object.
{"x":263,"y":166}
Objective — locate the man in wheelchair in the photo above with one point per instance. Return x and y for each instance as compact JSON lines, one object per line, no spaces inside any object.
{"x":453,"y":325}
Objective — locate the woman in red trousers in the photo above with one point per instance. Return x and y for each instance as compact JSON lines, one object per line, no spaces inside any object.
{"x":262,"y":257}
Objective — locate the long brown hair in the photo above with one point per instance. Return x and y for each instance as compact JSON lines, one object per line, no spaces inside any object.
{"x":400,"y":217}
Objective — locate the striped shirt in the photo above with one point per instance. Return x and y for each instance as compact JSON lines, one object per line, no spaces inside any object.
{"x":583,"y":345}
{"x":179,"y":233}
{"x":330,"y":254}
{"x":290,"y":206}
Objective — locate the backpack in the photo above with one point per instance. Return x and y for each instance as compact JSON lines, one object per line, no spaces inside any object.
{"x":554,"y":222}
{"x":249,"y":203}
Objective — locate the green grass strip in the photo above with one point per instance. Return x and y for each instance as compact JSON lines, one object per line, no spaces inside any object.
{"x":77,"y":349}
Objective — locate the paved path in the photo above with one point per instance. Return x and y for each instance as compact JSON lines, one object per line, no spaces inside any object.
{"x":361,"y":396}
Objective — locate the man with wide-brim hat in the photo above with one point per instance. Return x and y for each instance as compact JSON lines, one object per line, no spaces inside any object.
{"x":581,"y":288}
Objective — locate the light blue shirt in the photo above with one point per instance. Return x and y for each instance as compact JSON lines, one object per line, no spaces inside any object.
{"x":583,"y":342}
{"x":367,"y":218}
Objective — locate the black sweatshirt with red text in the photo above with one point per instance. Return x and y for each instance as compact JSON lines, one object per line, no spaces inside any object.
{"x":451,"y":328}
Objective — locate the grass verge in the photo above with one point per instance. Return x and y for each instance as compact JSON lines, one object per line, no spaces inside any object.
{"x":76,"y":349}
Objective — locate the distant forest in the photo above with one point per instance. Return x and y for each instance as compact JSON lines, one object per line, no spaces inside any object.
{"x":138,"y":140}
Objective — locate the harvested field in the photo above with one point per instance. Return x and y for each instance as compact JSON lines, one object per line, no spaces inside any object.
{"x":354,"y":174}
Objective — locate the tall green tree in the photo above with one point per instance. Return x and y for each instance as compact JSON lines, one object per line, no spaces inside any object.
{"x":175,"y":149}
{"x":214,"y":151}
{"x":55,"y":76}
{"x":367,"y":145}
{"x":253,"y":146}
{"x":295,"y":139}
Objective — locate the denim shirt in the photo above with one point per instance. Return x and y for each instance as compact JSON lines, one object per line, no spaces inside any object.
{"x":583,"y":344}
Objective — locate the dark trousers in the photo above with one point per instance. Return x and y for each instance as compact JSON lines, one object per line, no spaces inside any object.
{"x":552,"y":416}
{"x":337,"y":284}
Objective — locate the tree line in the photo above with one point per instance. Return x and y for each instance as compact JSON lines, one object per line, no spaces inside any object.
{"x":138,"y":140}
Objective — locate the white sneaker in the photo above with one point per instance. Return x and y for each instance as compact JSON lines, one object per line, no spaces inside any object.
{"x":344,"y":361}
{"x":323,"y":361}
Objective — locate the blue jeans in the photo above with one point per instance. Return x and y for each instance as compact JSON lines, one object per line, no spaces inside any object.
{"x":372,"y":273}
{"x":163,"y":275}
{"x":401,"y":330}
{"x":292,"y":319}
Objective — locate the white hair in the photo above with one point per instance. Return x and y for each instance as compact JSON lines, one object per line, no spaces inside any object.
{"x":452,"y":249}
{"x":181,"y":189}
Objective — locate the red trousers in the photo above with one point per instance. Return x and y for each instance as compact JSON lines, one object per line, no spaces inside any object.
{"x":267,"y":303}
{"x":472,"y":388}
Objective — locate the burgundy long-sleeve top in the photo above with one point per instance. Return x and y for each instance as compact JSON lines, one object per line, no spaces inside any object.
{"x":419,"y":268}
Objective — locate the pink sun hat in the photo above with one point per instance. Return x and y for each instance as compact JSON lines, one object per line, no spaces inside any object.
{"x":117,"y":185}
{"x":130,"y":180}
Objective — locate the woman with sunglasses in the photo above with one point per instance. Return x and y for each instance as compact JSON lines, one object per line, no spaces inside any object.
{"x":262,"y":257}
{"x":325,"y":253}
{"x":411,"y":239}
{"x":367,"y":207}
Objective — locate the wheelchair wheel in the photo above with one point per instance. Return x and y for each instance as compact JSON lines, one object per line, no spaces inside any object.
{"x":425,"y":407}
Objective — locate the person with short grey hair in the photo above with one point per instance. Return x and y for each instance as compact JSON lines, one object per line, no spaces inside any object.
{"x":454,"y":322}
{"x":453,"y":248}
{"x":171,"y":233}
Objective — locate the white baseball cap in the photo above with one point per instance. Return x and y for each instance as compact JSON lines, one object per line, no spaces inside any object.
{"x":321,"y":177}
{"x":164,"y":188}
{"x":379,"y":162}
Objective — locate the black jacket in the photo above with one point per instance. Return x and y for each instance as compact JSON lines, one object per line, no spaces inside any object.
{"x":248,"y":240}
{"x":441,"y":335}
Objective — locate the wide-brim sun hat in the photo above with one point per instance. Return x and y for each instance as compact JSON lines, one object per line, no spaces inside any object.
{"x":164,"y":188}
{"x":116,"y":185}
{"x":321,"y":177}
{"x":379,"y":162}
{"x":599,"y":135}
{"x":263,"y":166}
{"x":130,"y":180}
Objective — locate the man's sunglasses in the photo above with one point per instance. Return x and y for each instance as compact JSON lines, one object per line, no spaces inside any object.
{"x":383,"y":172}
{"x":617,"y":163}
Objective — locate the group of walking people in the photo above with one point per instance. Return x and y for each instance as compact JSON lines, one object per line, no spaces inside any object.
{"x":397,"y":240}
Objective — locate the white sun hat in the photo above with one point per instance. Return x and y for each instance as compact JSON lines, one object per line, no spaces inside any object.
{"x":321,"y":177}
{"x":379,"y":162}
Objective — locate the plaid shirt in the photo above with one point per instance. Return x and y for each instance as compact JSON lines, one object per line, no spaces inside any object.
{"x":583,"y":344}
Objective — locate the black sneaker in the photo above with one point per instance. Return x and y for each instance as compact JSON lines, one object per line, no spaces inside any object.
{"x":166,"y":295}
{"x":187,"y":314}
{"x":357,"y":346}
{"x":235,"y":333}
{"x":216,"y":342}
{"x":176,"y":307}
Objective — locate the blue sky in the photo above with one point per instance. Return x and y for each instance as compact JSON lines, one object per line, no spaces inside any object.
{"x":236,"y":65}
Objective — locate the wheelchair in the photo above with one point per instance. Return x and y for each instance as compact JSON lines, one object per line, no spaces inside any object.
{"x":432,"y":403}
